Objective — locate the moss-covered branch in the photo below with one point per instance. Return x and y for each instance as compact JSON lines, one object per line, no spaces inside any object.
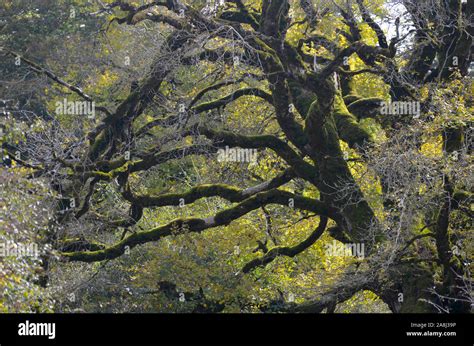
{"x":368,"y":19}
{"x":348,"y":286}
{"x":228,"y":192}
{"x":240,"y":17}
{"x":222,"y":218}
{"x":111,"y":169}
{"x":339,"y":187}
{"x":347,"y":126}
{"x":289,"y":251}
{"x":106,"y":170}
{"x":232,"y":97}
{"x":302,"y":168}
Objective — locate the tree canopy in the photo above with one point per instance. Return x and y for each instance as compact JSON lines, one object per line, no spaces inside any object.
{"x":237,"y":156}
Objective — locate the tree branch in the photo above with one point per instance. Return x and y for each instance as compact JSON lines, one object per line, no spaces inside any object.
{"x":198,"y":225}
{"x":289,"y":251}
{"x":37,"y":68}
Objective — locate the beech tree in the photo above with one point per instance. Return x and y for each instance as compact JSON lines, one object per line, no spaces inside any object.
{"x":360,"y":112}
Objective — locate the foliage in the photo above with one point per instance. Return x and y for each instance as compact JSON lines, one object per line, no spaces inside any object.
{"x":134,"y":212}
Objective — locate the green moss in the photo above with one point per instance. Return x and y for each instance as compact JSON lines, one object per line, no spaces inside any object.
{"x":99,"y":145}
{"x":79,"y":244}
{"x":348,"y":99}
{"x":348,"y":128}
{"x":302,"y":99}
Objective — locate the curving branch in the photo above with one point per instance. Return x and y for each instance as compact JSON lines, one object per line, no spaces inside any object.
{"x":228,"y":192}
{"x":302,"y":168}
{"x":198,"y":225}
{"x":223,"y":101}
{"x":158,"y":18}
{"x":348,"y":286}
{"x":369,"y":53}
{"x":217,"y":86}
{"x":377,"y":29}
{"x":289,"y":251}
{"x":109,"y":170}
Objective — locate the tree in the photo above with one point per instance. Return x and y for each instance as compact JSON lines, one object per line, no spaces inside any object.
{"x":367,"y":134}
